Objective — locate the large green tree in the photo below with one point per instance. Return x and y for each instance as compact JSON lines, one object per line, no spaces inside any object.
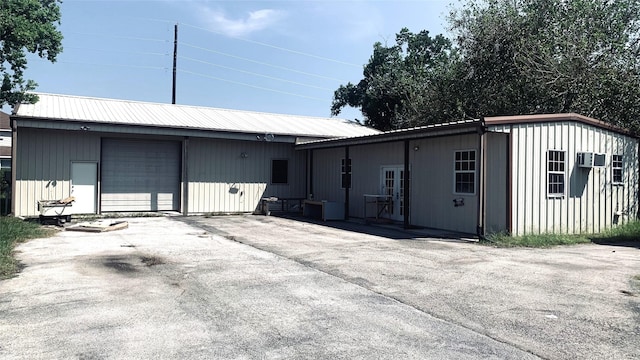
{"x":508,"y":57}
{"x":547,"y":56}
{"x":26,"y":26}
{"x":400,"y":83}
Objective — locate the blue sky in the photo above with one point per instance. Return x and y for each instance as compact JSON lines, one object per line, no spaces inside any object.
{"x":272,"y":56}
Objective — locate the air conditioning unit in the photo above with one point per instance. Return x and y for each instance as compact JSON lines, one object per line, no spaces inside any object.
{"x":599,"y":160}
{"x":585,"y":159}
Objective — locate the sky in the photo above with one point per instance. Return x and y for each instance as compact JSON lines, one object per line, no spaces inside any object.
{"x":270,"y":56}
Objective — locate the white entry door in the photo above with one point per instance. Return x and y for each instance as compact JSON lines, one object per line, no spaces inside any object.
{"x":84,"y":185}
{"x":393,"y":185}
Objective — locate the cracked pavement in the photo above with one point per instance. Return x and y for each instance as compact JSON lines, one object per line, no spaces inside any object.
{"x":245,"y":287}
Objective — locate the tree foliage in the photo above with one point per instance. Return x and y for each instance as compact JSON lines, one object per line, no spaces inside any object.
{"x":550,"y":56}
{"x":508,"y":57}
{"x":26,"y":26}
{"x":398,"y":80}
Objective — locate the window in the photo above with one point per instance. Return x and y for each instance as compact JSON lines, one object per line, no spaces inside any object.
{"x":346,"y":173}
{"x":616,"y":169}
{"x":279,"y":171}
{"x":5,"y":164}
{"x":555,"y":173}
{"x":465,"y":172}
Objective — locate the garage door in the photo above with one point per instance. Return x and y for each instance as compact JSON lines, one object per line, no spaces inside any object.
{"x":140,"y":175}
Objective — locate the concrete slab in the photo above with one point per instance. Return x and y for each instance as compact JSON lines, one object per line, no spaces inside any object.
{"x":268,"y":287}
{"x":576,"y":302}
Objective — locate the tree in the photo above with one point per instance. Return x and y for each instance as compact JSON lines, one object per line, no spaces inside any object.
{"x":25,"y":26}
{"x":547,"y":56}
{"x":399,"y":82}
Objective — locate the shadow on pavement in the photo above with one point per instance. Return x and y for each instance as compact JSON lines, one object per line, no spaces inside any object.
{"x":390,"y":231}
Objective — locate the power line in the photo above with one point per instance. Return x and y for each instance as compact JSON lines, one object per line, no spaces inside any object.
{"x":297,"y":52}
{"x":118,"y":51}
{"x":108,"y":65}
{"x":260,"y":62}
{"x":254,"y":74}
{"x":250,"y":85}
{"x":275,"y":47}
{"x":116,"y":36}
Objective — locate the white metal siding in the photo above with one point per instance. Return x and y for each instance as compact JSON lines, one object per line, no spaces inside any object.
{"x":43,"y":165}
{"x":590,"y":200}
{"x":222,"y":180}
{"x":366,"y":162}
{"x":140,"y":175}
{"x":432,"y":182}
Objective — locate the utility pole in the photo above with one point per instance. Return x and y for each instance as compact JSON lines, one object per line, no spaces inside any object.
{"x":175,"y":63}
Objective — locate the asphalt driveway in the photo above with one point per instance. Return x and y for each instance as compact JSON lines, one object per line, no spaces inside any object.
{"x":266,"y":287}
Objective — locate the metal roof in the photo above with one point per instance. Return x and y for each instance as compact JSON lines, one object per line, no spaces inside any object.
{"x":457,"y":127}
{"x":126,"y":112}
{"x":449,"y":128}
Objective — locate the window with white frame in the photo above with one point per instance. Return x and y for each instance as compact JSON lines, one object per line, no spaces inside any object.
{"x":555,"y":173}
{"x":465,"y":172}
{"x":616,"y":169}
{"x":346,"y":173}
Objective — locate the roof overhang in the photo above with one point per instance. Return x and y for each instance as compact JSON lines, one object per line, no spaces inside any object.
{"x":434,"y":130}
{"x":542,"y":118}
{"x":95,"y":127}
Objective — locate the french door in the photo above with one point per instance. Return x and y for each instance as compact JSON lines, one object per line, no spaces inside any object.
{"x":392,"y":178}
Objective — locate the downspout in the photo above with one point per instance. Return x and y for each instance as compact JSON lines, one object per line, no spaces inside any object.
{"x":14,"y":161}
{"x":480,"y":230}
{"x":347,"y":172}
{"x":405,"y":195}
{"x":637,"y":182}
{"x":510,"y":181}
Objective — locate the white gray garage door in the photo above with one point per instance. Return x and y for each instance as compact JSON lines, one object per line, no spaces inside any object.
{"x":140,"y":175}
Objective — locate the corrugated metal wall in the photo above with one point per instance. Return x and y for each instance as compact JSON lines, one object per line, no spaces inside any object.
{"x":42,"y":165}
{"x":327,"y":174}
{"x":221,"y":180}
{"x":432,"y":184}
{"x":591,"y":200}
{"x":366,"y":162}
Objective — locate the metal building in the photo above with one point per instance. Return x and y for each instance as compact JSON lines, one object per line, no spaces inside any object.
{"x":117,"y":156}
{"x":561,"y":173}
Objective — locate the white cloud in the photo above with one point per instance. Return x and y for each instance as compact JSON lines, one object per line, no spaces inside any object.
{"x":255,"y":21}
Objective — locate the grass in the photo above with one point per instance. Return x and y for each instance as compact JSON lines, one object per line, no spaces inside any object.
{"x":535,"y":241}
{"x":626,"y":232}
{"x":12,"y":232}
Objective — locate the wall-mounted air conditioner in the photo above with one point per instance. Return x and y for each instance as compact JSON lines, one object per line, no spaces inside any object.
{"x":585,"y":159}
{"x":599,"y":160}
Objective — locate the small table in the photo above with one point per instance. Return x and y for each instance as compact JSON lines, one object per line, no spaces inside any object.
{"x":382,"y":202}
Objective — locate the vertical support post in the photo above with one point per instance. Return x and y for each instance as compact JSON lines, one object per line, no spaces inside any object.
{"x":175,"y":63}
{"x":406,"y":192}
{"x":481,"y":179}
{"x":185,"y":176}
{"x":310,"y":192}
{"x":347,"y":172}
